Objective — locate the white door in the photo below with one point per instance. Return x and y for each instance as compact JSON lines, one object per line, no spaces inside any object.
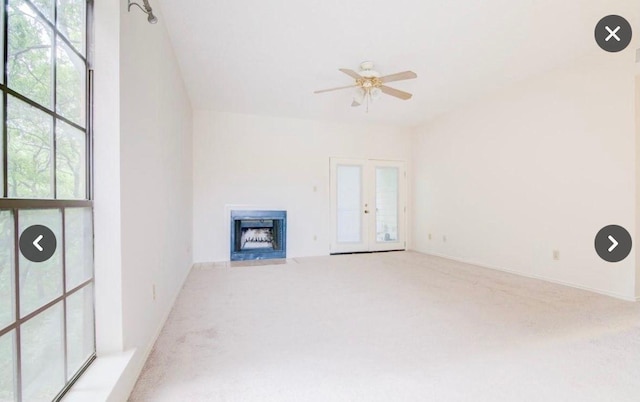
{"x":367,"y":205}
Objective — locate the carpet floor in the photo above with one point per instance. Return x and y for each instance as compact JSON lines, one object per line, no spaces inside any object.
{"x":397,"y":326}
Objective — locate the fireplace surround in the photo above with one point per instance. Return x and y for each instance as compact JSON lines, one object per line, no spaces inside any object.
{"x":258,"y":235}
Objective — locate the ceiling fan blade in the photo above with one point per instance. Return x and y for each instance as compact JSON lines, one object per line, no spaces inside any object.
{"x":405,"y":75}
{"x":351,"y":73}
{"x":395,"y":92}
{"x":333,"y":89}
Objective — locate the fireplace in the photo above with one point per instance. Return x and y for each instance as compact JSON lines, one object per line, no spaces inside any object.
{"x":258,"y":235}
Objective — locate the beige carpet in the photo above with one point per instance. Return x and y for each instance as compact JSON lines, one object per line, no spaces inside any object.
{"x":390,"y":327}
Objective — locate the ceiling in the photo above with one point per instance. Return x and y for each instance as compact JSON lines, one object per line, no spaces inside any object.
{"x":267,"y":57}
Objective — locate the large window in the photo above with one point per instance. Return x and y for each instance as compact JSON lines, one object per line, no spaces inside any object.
{"x":46,"y":307}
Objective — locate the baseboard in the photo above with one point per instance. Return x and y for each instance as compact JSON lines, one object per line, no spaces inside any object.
{"x":134,"y":369}
{"x":129,"y":371}
{"x":534,"y":276}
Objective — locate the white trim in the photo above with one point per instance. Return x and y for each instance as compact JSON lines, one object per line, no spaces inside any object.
{"x":101,"y":378}
{"x":534,"y":276}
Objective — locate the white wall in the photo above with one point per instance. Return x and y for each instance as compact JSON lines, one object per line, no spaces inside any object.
{"x":156,"y":178}
{"x":106,"y":163}
{"x":275,"y":163}
{"x":143,"y":194}
{"x":540,"y":166}
{"x":637,"y":237}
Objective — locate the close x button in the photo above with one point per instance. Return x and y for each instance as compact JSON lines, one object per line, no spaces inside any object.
{"x":613,"y":33}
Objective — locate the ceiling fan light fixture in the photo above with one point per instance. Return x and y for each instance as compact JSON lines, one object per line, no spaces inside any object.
{"x":358,"y":96}
{"x":369,"y":85}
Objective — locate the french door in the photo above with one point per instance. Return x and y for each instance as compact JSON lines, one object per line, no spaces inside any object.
{"x":368,"y":205}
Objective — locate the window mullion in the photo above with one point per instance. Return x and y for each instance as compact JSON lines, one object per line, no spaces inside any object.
{"x":5,"y":142}
{"x":16,"y":272}
{"x":54,"y":83}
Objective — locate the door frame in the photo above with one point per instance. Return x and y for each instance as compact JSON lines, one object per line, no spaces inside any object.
{"x":368,"y":241}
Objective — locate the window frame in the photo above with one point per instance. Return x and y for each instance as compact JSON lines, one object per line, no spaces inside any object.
{"x":15,"y":205}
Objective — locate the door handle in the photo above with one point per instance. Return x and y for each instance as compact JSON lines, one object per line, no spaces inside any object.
{"x":366,"y":211}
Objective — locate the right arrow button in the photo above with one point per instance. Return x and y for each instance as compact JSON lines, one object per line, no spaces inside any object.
{"x":613,"y":243}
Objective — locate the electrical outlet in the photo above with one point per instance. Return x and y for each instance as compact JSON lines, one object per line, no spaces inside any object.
{"x":315,"y":237}
{"x":444,"y":239}
{"x":556,"y":255}
{"x":429,"y":236}
{"x":153,"y":288}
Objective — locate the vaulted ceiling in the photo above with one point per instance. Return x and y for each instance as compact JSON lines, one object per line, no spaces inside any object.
{"x":267,"y":57}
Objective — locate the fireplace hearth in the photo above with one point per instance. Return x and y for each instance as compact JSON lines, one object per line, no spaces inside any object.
{"x":258,"y":235}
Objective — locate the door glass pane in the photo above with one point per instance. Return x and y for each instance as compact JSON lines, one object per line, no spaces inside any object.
{"x":40,"y":282}
{"x":387,"y":204}
{"x":7,"y":367}
{"x":349,"y":200}
{"x":42,"y":350}
{"x":80,"y":340}
{"x":29,"y":63}
{"x":70,"y":84}
{"x":72,"y":21}
{"x":71,"y":159}
{"x":30,"y":138}
{"x":7,"y":307}
{"x":78,"y":245}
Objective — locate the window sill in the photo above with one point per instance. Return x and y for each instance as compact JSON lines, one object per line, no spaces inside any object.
{"x":100,"y":382}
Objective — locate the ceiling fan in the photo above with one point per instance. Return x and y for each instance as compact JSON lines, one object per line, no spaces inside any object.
{"x":370,"y":84}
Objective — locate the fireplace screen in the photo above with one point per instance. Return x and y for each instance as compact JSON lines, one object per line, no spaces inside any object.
{"x":257,"y":235}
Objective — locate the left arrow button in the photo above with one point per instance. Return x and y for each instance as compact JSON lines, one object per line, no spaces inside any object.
{"x":38,"y":243}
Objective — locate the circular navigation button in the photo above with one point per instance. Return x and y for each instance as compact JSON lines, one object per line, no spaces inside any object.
{"x":613,"y":33}
{"x":38,"y":243}
{"x":613,"y":243}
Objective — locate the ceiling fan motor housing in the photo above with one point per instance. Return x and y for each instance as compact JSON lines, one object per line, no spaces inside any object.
{"x":366,"y":70}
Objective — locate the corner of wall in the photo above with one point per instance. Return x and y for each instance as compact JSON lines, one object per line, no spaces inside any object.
{"x":637,"y":183}
{"x":107,"y":229}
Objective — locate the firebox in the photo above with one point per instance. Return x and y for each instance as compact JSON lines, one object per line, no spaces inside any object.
{"x":258,"y":235}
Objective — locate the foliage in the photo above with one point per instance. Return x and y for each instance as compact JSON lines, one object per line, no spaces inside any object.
{"x":46,"y":157}
{"x":31,"y":64}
